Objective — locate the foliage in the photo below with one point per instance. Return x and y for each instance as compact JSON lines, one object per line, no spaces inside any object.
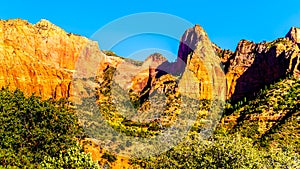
{"x":109,"y":53}
{"x":223,"y":151}
{"x":73,"y":158}
{"x":32,"y":129}
{"x":258,"y":132}
{"x":109,"y":157}
{"x":271,"y":118}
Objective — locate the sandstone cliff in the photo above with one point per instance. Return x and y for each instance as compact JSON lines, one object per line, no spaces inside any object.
{"x":253,"y":66}
{"x":197,"y":70}
{"x":41,"y":58}
{"x":197,"y":52}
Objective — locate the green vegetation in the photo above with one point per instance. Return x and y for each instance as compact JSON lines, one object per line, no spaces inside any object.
{"x":258,"y":132}
{"x":110,"y":53}
{"x":116,"y":118}
{"x":134,"y":62}
{"x":35,"y":133}
{"x":128,"y":60}
{"x":109,"y":157}
{"x":71,"y":158}
{"x":271,"y":118}
{"x":286,"y":43}
{"x":222,"y":151}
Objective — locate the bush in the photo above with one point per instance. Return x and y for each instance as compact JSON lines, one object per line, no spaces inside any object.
{"x":109,"y":157}
{"x":221,"y":152}
{"x":73,"y":158}
{"x":32,"y":129}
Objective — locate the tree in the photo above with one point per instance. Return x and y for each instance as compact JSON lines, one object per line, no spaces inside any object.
{"x":32,"y":129}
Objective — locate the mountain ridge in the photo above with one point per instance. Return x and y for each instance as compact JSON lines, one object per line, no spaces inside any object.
{"x":44,"y":50}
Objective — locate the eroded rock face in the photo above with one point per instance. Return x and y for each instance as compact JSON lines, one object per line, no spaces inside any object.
{"x":197,"y":51}
{"x":197,"y":70}
{"x":253,"y":66}
{"x":294,"y":35}
{"x":41,"y":58}
{"x":148,"y":72}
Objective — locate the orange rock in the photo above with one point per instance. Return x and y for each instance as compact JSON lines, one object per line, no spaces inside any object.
{"x":44,"y":59}
{"x":197,"y":51}
{"x":253,"y":66}
{"x":41,"y":58}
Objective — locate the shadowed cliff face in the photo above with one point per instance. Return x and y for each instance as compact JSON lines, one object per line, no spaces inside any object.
{"x":197,"y":52}
{"x":253,"y":66}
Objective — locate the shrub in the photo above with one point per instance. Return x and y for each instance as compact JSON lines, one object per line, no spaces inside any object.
{"x":109,"y":157}
{"x":221,"y":152}
{"x":73,"y":158}
{"x":32,"y":129}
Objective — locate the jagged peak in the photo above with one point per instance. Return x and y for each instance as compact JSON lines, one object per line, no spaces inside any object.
{"x":156,"y":57}
{"x":294,"y":34}
{"x":45,"y":24}
{"x":193,"y":34}
{"x":17,"y":21}
{"x":293,"y":28}
{"x":199,"y":30}
{"x":190,"y":41}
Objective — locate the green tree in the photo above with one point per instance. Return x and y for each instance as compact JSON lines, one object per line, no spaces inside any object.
{"x":32,"y":129}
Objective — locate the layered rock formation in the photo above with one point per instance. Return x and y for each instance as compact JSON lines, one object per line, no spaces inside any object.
{"x":41,"y":58}
{"x":135,"y":77}
{"x":197,"y":52}
{"x":253,"y":66}
{"x":44,"y":59}
{"x":197,"y":70}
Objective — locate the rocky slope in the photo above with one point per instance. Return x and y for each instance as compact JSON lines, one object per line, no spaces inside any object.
{"x":253,"y":66}
{"x":41,"y":58}
{"x":271,"y":118}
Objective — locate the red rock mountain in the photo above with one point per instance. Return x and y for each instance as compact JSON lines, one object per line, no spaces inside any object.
{"x":252,"y":66}
{"x":197,"y":52}
{"x":42,"y":58}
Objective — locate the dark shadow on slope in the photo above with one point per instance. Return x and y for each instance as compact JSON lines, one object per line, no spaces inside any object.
{"x":265,"y":70}
{"x":283,"y":120}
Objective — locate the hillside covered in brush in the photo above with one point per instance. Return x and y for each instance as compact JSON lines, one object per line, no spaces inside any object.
{"x":258,"y":132}
{"x":271,"y":117}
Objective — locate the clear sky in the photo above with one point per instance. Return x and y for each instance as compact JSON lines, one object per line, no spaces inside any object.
{"x":226,"y":22}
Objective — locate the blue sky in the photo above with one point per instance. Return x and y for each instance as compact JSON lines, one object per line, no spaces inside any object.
{"x":226,"y":22}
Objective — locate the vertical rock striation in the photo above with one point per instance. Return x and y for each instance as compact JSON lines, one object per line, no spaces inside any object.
{"x":197,"y":52}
